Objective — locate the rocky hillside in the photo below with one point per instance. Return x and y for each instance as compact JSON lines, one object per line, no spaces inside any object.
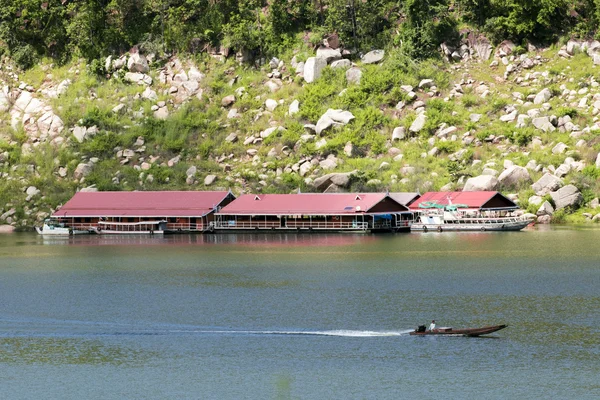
{"x":522,"y":121}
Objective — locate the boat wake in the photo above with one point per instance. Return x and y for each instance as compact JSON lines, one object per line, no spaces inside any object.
{"x":69,"y":328}
{"x":339,"y":333}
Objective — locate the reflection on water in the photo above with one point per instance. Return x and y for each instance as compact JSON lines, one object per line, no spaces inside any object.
{"x":244,"y":239}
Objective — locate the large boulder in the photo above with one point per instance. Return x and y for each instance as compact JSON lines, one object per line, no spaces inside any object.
{"x":545,"y":209}
{"x":543,"y":123}
{"x":568,"y":196}
{"x":514,"y":176}
{"x":344,"y":64}
{"x":313,"y":68}
{"x":338,"y":179}
{"x":543,"y":96}
{"x":332,"y":117}
{"x":373,"y":57}
{"x":82,"y":170}
{"x":5,"y":99}
{"x":137,"y":63}
{"x":481,"y":183}
{"x":546,"y":184}
{"x":329,"y":55}
{"x":482,"y":47}
{"x":418,"y":123}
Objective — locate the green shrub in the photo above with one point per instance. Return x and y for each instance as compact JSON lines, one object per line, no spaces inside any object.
{"x":25,"y":56}
{"x":522,"y":136}
{"x":570,"y":111}
{"x":101,"y":145}
{"x":591,"y":171}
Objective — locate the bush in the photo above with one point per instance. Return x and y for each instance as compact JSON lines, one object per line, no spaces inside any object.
{"x":24,"y":56}
{"x":522,"y":136}
{"x":101,"y":145}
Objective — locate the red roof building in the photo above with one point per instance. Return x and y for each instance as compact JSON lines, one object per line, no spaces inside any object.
{"x":176,"y":210}
{"x":313,"y":211}
{"x":481,"y":201}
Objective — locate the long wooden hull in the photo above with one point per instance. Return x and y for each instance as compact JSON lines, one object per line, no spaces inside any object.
{"x":472,"y":332}
{"x":477,"y":227}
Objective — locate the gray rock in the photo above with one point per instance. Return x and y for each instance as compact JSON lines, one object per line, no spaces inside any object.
{"x":598,"y":161}
{"x":294,"y":107}
{"x":269,"y":131}
{"x":543,"y":96}
{"x":161,"y":113}
{"x":475,"y":117}
{"x":399,"y":133}
{"x":545,"y":209}
{"x":138,"y":78}
{"x":79,"y":133}
{"x":305,"y":168}
{"x":232,"y":138}
{"x":137,"y":63}
{"x":271,"y":104}
{"x":149,"y":94}
{"x":481,"y":183}
{"x":546,"y":184}
{"x":313,"y":68}
{"x":353,"y":76}
{"x":209,"y":180}
{"x":339,"y":179}
{"x":373,"y":57}
{"x":418,"y":123}
{"x":120,"y":109}
{"x":514,"y":176}
{"x":228,"y":100}
{"x":328,"y":163}
{"x":82,"y":170}
{"x":7,"y":229}
{"x":329,"y":54}
{"x":320,"y":143}
{"x":191,"y":171}
{"x":332,"y":117}
{"x":559,"y":148}
{"x":349,"y":149}
{"x":195,"y":75}
{"x":489,"y":171}
{"x":543,"y":123}
{"x":345,"y":64}
{"x":426,"y":83}
{"x":567,"y":196}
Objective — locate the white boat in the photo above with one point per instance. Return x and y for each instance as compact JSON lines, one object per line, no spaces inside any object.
{"x":54,"y":228}
{"x":131,"y":228}
{"x":451,"y":218}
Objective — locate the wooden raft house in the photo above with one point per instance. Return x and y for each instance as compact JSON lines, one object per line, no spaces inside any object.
{"x":314,"y":212}
{"x":143,"y":212}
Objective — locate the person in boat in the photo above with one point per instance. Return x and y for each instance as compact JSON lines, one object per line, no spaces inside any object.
{"x":431,"y":326}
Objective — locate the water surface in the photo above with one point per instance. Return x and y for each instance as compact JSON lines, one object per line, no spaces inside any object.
{"x":299,"y":316}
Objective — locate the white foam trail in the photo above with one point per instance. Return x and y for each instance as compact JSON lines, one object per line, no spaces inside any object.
{"x":340,"y":333}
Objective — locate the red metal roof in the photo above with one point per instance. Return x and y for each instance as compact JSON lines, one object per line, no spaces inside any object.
{"x":474,"y":200}
{"x":303,"y":204}
{"x":141,"y":204}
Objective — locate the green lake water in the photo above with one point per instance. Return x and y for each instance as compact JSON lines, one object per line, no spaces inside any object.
{"x":300,"y":317}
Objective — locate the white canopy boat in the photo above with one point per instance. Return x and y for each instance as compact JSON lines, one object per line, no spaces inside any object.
{"x":436,"y":217}
{"x":52,"y":227}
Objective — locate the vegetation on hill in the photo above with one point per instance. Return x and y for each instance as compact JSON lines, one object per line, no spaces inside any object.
{"x":30,"y":29}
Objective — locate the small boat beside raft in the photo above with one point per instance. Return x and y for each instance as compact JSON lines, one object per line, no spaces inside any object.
{"x":471,"y":332}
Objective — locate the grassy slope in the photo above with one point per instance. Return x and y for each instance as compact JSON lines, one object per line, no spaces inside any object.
{"x":197,"y":129}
